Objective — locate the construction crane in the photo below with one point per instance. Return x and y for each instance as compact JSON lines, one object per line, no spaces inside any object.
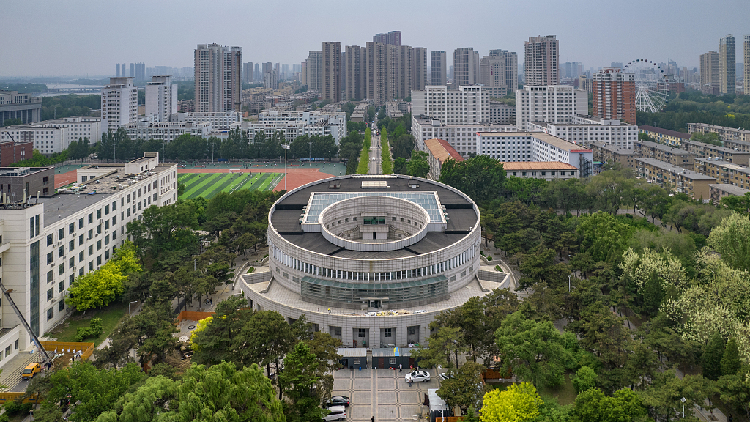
{"x":7,"y":292}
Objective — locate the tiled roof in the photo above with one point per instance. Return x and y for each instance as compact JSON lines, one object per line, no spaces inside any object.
{"x":538,"y":165}
{"x":442,"y":150}
{"x":667,"y":132}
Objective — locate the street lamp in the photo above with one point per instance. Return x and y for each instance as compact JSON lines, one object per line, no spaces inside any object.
{"x":135,"y":301}
{"x":683,"y":400}
{"x":286,"y":147}
{"x":568,"y":283}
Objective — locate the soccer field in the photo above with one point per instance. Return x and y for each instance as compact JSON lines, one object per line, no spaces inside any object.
{"x":208,"y":185}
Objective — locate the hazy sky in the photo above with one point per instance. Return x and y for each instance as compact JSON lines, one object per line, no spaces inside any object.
{"x":79,"y":37}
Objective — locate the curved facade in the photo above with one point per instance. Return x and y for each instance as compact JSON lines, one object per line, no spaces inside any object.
{"x":369,"y":245}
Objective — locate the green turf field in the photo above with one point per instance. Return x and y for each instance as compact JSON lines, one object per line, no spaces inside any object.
{"x":209,"y":185}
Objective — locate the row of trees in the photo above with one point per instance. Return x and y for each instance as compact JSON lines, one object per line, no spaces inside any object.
{"x":694,"y":107}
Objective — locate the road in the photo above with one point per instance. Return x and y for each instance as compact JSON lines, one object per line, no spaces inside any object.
{"x":375,"y":166}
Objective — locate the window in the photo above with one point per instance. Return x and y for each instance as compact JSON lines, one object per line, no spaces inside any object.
{"x":91,"y":218}
{"x":91,"y":250}
{"x":392,"y":361}
{"x":99,"y":260}
{"x":106,"y":240}
{"x":60,"y":286}
{"x":50,"y":314}
{"x":114,"y":205}
{"x":71,"y":228}
{"x":386,"y":332}
{"x":80,"y":256}
{"x":61,"y":306}
{"x":80,"y":240}
{"x":49,"y":257}
{"x":106,"y":210}
{"x":16,"y":345}
{"x":91,"y":234}
{"x":49,"y":276}
{"x":99,"y":229}
{"x":91,"y":265}
{"x":49,"y":240}
{"x":99,"y":213}
{"x":361,"y":332}
{"x":98,"y":245}
{"x":61,"y":234}
{"x":128,"y":212}
{"x":61,"y":269}
{"x":80,"y":223}
{"x":71,"y":245}
{"x":49,"y":294}
{"x":72,"y":262}
{"x":71,"y":279}
{"x":114,"y":220}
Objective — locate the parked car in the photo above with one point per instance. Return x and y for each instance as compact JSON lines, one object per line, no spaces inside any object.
{"x":446,"y":375}
{"x":338,"y":401}
{"x":417,"y":376}
{"x":337,"y":413}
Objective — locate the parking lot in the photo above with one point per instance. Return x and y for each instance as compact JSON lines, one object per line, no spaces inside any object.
{"x":382,"y":393}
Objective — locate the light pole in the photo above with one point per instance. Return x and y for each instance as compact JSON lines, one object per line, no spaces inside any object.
{"x":135,"y":301}
{"x":286,"y":147}
{"x":683,"y":400}
{"x":568,"y":283}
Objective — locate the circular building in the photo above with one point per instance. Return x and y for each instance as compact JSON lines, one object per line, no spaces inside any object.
{"x":370,"y":259}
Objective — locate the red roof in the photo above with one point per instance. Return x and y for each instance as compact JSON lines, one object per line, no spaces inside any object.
{"x":442,"y":150}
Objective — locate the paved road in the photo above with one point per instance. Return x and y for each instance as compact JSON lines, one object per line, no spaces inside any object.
{"x":375,"y":166}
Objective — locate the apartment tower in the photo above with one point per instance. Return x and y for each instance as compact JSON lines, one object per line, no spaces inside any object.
{"x":247,"y":73}
{"x":710,"y":77}
{"x":218,"y":84}
{"x":355,"y":73}
{"x":390,"y":38}
{"x":541,"y":61}
{"x":614,"y":95}
{"x":465,"y":67}
{"x":119,"y":104}
{"x":331,"y":89}
{"x":161,"y":98}
{"x":727,"y":65}
{"x":746,"y":69}
{"x":419,"y":69}
{"x":438,"y":68}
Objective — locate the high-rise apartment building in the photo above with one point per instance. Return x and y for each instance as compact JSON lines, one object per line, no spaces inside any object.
{"x":390,"y":38}
{"x":438,"y":68}
{"x":499,"y":70}
{"x":710,"y":78}
{"x":549,"y":104}
{"x":119,"y":104}
{"x":541,"y":61}
{"x":122,"y":73}
{"x":218,"y":83}
{"x":117,"y":70}
{"x":465,"y":66}
{"x":614,"y":95}
{"x":137,"y":72}
{"x":257,"y":73}
{"x":382,"y":68}
{"x":746,"y":68}
{"x":315,"y":71}
{"x":419,"y":69}
{"x":161,"y":98}
{"x":355,"y":73}
{"x":405,"y":71}
{"x":727,"y":79}
{"x":247,"y":73}
{"x":573,"y":70}
{"x":331,"y":89}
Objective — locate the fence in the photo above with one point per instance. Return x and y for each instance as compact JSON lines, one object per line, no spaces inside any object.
{"x":4,"y":397}
{"x":193,"y":316}
{"x":69,"y":347}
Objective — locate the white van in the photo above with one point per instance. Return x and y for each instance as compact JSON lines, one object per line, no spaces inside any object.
{"x":338,"y":413}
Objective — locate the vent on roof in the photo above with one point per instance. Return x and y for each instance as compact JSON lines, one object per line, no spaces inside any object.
{"x":374,"y":184}
{"x":334,"y":185}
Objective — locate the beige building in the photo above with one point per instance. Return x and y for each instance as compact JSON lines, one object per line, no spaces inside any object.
{"x":465,"y":67}
{"x":355,"y":73}
{"x":438,"y":151}
{"x":710,"y":72}
{"x":547,"y":170}
{"x":541,"y":60}
{"x":678,"y":179}
{"x":712,"y":151}
{"x":331,"y":89}
{"x":746,"y":68}
{"x":218,"y":83}
{"x":725,"y":133}
{"x":672,"y":155}
{"x":607,"y":153}
{"x":724,"y":172}
{"x":721,"y":190}
{"x":727,"y":77}
{"x":664,"y":136}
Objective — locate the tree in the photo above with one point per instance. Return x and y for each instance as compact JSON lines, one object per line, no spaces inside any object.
{"x":399,"y":165}
{"x":594,"y":406}
{"x":443,"y":342}
{"x":418,"y":166}
{"x":730,"y":361}
{"x":739,"y":204}
{"x":603,"y":236}
{"x":480,"y":177}
{"x":298,"y":382}
{"x":735,"y":391}
{"x":712,"y":357}
{"x":517,"y":403}
{"x":101,"y":287}
{"x":732,"y":240}
{"x":707,"y":138}
{"x":403,"y":146}
{"x":216,"y":343}
{"x":534,"y":351}
{"x":584,"y":379}
{"x":464,"y":389}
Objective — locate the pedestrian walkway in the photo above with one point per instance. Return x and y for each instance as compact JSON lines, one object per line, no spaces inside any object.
{"x":10,"y":377}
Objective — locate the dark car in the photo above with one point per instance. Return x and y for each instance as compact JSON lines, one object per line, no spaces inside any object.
{"x":338,"y":401}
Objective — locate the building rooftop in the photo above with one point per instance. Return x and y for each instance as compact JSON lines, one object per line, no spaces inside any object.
{"x":662,"y":147}
{"x":544,"y":137}
{"x":538,"y":165}
{"x":442,"y":150}
{"x":614,"y":148}
{"x":714,"y":147}
{"x":667,"y":132}
{"x":730,"y":189}
{"x":688,"y":174}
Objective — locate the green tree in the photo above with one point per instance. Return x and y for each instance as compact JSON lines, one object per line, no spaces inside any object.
{"x":712,"y":356}
{"x":399,"y":165}
{"x":735,"y":391}
{"x":480,"y":177}
{"x":298,"y":382}
{"x":732,"y":240}
{"x":730,"y":361}
{"x":517,"y":403}
{"x":584,"y":379}
{"x":594,"y":406}
{"x":418,"y":166}
{"x":464,"y":389}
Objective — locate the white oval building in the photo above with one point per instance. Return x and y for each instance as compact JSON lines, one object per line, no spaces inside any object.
{"x":370,"y":259}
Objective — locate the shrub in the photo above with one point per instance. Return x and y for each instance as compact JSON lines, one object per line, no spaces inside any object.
{"x":94,"y":329}
{"x":250,"y":270}
{"x":13,"y":408}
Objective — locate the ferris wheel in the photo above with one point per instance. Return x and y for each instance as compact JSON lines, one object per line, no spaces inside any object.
{"x":652,"y":89}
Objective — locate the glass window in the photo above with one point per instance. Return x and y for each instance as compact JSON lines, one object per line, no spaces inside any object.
{"x":49,"y":240}
{"x":60,"y":286}
{"x":50,"y":314}
{"x":80,"y":223}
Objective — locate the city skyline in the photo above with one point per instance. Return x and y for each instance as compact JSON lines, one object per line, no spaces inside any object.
{"x":59,"y":51}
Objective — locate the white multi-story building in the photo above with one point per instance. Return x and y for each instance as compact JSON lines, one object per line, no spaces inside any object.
{"x":466,"y":105}
{"x":119,"y":104}
{"x":533,"y":147}
{"x":298,"y":123}
{"x":161,"y":98}
{"x":584,"y":130}
{"x":542,"y":60}
{"x":167,"y":131}
{"x":549,"y":104}
{"x":48,"y":242}
{"x":77,"y":128}
{"x":502,"y":113}
{"x":218,"y":120}
{"x":47,"y":139}
{"x":461,"y":137}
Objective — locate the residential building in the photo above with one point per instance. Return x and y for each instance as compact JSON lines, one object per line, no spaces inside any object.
{"x":12,"y":151}
{"x":315,"y":71}
{"x":586,"y":130}
{"x":76,"y":127}
{"x":137,"y":72}
{"x":218,"y":83}
{"x":271,"y":80}
{"x":727,"y":79}
{"x":669,"y":154}
{"x":547,"y":170}
{"x":710,"y":75}
{"x":51,"y":240}
{"x":119,"y":104}
{"x":355,"y":73}
{"x":614,"y":95}
{"x":419,"y":70}
{"x":438,"y":152}
{"x":167,"y":131}
{"x":247,"y":73}
{"x":19,"y":106}
{"x":721,"y":190}
{"x":19,"y":184}
{"x":382,"y":80}
{"x":502,"y":113}
{"x":298,"y":123}
{"x":678,"y":179}
{"x":218,"y":121}
{"x":549,"y":104}
{"x":724,"y":171}
{"x":462,"y":137}
{"x":541,"y":61}
{"x":746,"y":65}
{"x":331,"y":88}
{"x":609,"y":153}
{"x":665,"y":136}
{"x":390,"y":38}
{"x":161,"y":98}
{"x":465,"y":67}
{"x":438,"y":66}
{"x":712,"y":151}
{"x":499,"y":69}
{"x":358,"y":115}
{"x":534,"y":146}
{"x":405,"y":75}
{"x":726,"y":134}
{"x":466,"y":105}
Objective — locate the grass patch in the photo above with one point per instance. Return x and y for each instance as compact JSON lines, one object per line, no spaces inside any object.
{"x":564,"y":393}
{"x":110,"y":316}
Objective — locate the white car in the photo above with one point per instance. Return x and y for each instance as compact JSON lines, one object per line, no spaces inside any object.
{"x":338,"y":413}
{"x":417,"y":376}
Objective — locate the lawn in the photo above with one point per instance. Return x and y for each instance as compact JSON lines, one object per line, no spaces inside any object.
{"x":208,"y":185}
{"x":110,"y":316}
